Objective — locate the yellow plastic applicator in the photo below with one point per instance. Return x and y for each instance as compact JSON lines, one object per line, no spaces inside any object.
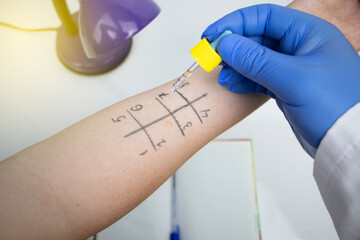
{"x":205,"y":56}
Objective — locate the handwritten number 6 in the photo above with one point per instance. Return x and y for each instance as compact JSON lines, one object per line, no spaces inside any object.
{"x":137,"y":107}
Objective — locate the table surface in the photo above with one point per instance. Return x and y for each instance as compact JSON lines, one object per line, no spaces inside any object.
{"x":39,"y":97}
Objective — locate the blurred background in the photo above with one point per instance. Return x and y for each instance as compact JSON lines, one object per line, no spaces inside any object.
{"x":39,"y":97}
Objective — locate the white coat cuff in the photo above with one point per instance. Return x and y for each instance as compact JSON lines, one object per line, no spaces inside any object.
{"x":337,"y":173}
{"x":335,"y":145}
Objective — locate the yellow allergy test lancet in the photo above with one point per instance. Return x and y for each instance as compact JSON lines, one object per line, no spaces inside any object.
{"x":205,"y":56}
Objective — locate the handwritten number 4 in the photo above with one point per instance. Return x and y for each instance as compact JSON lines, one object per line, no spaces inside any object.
{"x":205,"y":113}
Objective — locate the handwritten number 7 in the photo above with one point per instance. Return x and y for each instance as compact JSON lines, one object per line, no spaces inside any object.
{"x":189,"y":124}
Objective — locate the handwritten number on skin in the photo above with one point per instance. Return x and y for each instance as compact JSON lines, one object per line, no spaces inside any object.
{"x":137,"y":107}
{"x":163,"y":95}
{"x":119,"y":118}
{"x":143,"y":153}
{"x":183,"y":85}
{"x":161,"y":143}
{"x":189,"y":124}
{"x":205,"y":114}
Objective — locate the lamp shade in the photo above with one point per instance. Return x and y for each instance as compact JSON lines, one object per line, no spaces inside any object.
{"x":106,"y":24}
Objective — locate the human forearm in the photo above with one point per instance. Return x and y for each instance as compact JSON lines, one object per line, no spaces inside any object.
{"x":99,"y":169}
{"x":343,"y":14}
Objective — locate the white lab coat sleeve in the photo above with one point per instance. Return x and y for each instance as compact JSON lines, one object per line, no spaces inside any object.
{"x":337,"y":173}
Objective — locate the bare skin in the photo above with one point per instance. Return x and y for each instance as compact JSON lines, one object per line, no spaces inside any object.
{"x":343,"y":14}
{"x":88,"y":176}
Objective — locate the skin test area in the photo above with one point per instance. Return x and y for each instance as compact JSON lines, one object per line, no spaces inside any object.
{"x":40,"y":97}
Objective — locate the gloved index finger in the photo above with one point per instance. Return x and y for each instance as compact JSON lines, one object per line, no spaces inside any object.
{"x":267,"y":20}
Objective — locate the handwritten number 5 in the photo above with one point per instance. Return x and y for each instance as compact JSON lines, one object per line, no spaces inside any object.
{"x":119,"y":118}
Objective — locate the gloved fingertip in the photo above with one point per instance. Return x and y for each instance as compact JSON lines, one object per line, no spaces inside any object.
{"x":211,"y":33}
{"x":241,"y":88}
{"x":221,"y":81}
{"x":224,"y":64}
{"x":235,"y":89}
{"x":227,"y":43}
{"x":223,"y":75}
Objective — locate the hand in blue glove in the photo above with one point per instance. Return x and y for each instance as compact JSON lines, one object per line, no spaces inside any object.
{"x":303,"y":62}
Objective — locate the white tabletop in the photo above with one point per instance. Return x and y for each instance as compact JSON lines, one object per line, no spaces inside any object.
{"x":39,"y":97}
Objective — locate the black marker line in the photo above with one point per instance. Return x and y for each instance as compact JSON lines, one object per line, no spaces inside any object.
{"x":186,"y":100}
{"x":142,"y":128}
{"x":143,"y":153}
{"x":172,"y":115}
{"x":165,"y":116}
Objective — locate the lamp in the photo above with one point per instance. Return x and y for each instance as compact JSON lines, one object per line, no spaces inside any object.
{"x":98,"y":37}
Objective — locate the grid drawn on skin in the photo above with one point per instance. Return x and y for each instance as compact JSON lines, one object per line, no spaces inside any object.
{"x":142,"y":128}
{"x":170,"y":113}
{"x":192,"y":107}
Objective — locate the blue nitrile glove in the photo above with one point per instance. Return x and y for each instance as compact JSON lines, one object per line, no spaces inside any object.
{"x":303,"y":62}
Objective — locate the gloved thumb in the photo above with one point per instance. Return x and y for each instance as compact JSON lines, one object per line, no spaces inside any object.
{"x":255,"y":61}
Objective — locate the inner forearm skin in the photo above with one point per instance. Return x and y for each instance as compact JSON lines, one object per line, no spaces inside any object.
{"x":99,"y":169}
